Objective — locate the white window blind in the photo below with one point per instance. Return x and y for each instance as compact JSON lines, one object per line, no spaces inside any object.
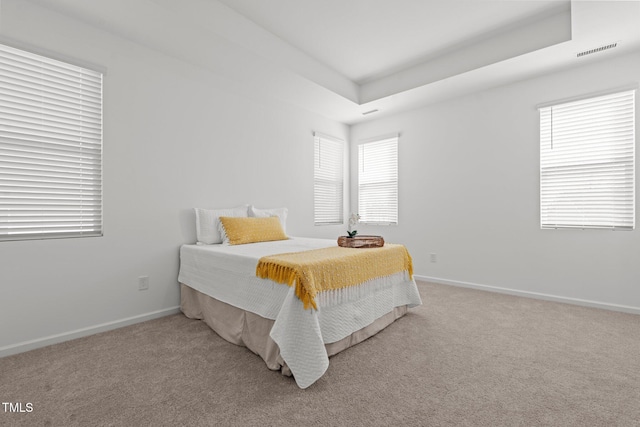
{"x":50,"y":148}
{"x":587,"y":151}
{"x":378,"y":181}
{"x":328,"y":180}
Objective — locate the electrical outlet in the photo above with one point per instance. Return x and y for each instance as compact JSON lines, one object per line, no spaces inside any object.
{"x":143,"y":283}
{"x":433,"y":257}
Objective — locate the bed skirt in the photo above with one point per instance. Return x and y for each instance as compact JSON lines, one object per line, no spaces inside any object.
{"x":250,"y":330}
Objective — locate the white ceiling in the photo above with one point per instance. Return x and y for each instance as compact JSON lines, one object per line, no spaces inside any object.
{"x":367,"y":39}
{"x":341,"y":58}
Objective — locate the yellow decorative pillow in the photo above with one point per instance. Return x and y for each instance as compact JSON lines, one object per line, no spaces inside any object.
{"x":251,"y":230}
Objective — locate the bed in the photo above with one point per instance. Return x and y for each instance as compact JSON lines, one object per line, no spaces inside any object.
{"x":219,"y":285}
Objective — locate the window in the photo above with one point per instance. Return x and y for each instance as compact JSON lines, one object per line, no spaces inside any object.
{"x":328,"y":180}
{"x":587,"y":163}
{"x":378,"y":181}
{"x":50,"y":148}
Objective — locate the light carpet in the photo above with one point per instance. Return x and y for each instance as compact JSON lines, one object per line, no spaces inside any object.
{"x":464,"y":358}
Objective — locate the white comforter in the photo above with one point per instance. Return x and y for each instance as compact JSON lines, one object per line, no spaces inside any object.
{"x":227,"y":273}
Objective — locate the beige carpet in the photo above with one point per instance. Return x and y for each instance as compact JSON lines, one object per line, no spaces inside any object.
{"x":465,"y":358}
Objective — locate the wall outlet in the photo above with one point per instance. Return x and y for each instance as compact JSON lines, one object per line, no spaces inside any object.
{"x":433,"y":257}
{"x":143,"y":283}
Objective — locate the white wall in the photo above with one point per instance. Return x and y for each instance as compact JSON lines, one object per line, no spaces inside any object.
{"x":176,"y":136}
{"x":469,"y":192}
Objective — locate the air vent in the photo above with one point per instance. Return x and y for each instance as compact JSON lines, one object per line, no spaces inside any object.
{"x":370,"y":112}
{"x":598,"y":49}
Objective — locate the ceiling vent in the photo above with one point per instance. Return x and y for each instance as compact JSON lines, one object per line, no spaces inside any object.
{"x":598,"y":49}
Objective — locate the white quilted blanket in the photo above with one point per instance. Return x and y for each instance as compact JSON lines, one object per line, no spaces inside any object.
{"x":227,"y":273}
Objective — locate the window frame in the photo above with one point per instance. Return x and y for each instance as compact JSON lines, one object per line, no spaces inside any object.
{"x":329,"y":182}
{"x":587,"y":179}
{"x":51,"y":146}
{"x":390,"y":185}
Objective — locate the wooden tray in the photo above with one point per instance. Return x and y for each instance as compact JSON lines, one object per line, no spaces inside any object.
{"x":361,"y":241}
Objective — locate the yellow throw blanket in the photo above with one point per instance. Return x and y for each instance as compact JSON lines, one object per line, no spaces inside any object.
{"x":333,"y":268}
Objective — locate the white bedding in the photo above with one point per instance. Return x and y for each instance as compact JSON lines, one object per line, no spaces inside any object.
{"x":227,"y":273}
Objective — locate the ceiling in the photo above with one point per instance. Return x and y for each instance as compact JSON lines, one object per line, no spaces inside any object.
{"x":343,"y":58}
{"x":367,"y":39}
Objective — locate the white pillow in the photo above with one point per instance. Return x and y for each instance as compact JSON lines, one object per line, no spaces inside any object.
{"x":281,"y":213}
{"x":207,"y":221}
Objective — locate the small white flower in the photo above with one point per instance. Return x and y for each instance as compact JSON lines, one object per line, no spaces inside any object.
{"x":353,"y":221}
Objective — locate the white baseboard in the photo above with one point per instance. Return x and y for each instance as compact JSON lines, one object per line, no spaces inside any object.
{"x":527,"y":294}
{"x":79,"y":333}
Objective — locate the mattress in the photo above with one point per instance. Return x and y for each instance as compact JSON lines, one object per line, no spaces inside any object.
{"x":227,"y":273}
